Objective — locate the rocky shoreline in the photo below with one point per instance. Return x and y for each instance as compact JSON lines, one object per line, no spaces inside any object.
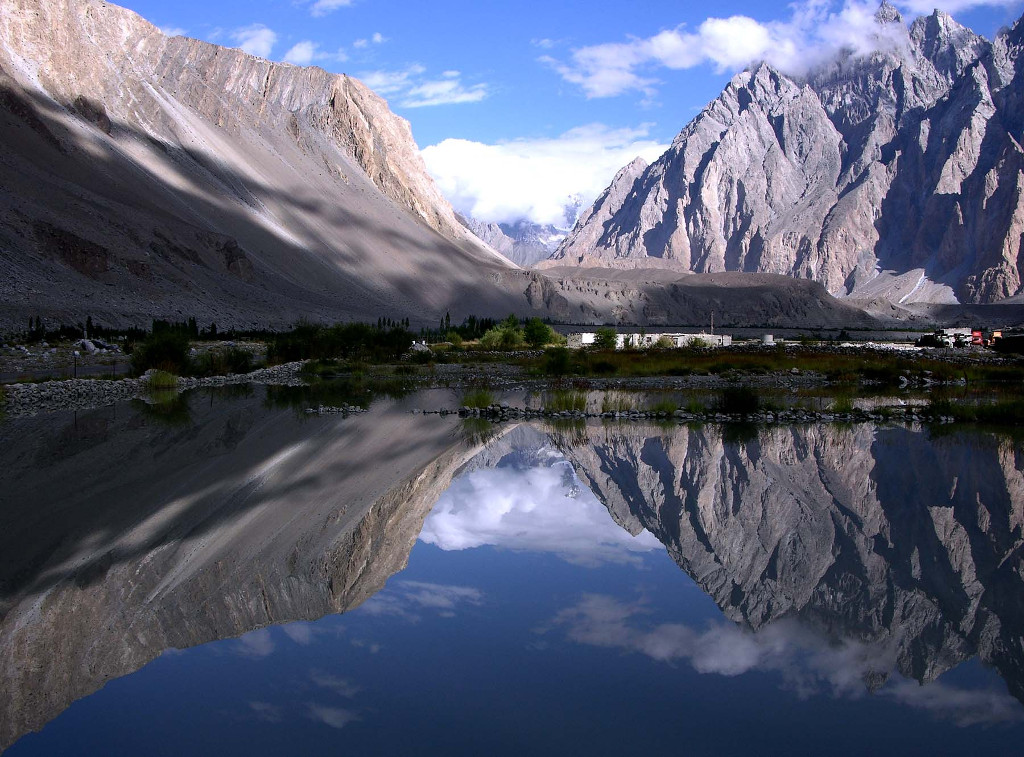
{"x":84,"y":394}
{"x":501,"y":413}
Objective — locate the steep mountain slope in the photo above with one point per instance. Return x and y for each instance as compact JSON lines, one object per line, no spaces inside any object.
{"x":897,"y":175}
{"x":154,"y":176}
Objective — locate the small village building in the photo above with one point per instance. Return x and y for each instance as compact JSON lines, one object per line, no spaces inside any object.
{"x":644,"y":340}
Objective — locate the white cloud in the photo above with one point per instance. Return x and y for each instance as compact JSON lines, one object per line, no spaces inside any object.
{"x":300,"y":633}
{"x":376,"y":39}
{"x":302,"y":54}
{"x":307,"y":52}
{"x":533,"y":178}
{"x":965,"y":707}
{"x":444,"y":91}
{"x":407,"y":599}
{"x":815,"y":31}
{"x":323,"y":7}
{"x":255,"y":39}
{"x":173,"y":31}
{"x":340,"y":686}
{"x":391,"y":82}
{"x":335,"y":717}
{"x":265,"y":711}
{"x":536,"y":510}
{"x":412,"y":90}
{"x":255,"y":644}
{"x":808,"y":663}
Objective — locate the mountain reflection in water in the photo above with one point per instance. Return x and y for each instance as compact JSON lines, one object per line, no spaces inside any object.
{"x":845,"y":562}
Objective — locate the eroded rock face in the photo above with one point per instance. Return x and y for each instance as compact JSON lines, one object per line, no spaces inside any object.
{"x":123,"y":138}
{"x":896,"y":175}
{"x":837,"y":528}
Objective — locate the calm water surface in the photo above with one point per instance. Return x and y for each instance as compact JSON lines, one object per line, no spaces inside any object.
{"x":227,"y":575}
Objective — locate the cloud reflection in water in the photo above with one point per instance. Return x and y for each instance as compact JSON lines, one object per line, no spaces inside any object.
{"x":540,"y":509}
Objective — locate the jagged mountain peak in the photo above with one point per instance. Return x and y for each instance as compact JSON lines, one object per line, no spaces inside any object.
{"x":888,"y":175}
{"x":888,"y":14}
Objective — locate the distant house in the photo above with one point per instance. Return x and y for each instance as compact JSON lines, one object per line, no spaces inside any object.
{"x":643,"y":340}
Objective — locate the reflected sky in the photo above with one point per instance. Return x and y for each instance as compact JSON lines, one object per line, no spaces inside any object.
{"x":526,"y":621}
{"x":540,"y":508}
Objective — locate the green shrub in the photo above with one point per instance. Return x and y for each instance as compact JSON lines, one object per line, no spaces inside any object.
{"x":502,"y":337}
{"x":348,"y":341}
{"x":165,"y":350}
{"x":842,"y":404}
{"x":556,"y":361}
{"x":605,"y":338}
{"x":537,"y":333}
{"x":695,"y":407}
{"x":662,"y":406}
{"x":221,"y":362}
{"x":614,"y":402}
{"x":453,"y":338}
{"x":478,"y":398}
{"x":664,"y":343}
{"x":162,"y":380}
{"x":565,"y":400}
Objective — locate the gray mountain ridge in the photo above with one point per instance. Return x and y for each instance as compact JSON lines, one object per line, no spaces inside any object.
{"x":894,"y":176}
{"x":147,"y":176}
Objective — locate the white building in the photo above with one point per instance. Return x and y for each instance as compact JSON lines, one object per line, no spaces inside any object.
{"x":638,"y":340}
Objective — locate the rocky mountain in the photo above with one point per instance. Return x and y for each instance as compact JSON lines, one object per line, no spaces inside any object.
{"x":897,"y":175}
{"x":153,"y":176}
{"x":146,"y":176}
{"x":524,"y":243}
{"x":837,"y":529}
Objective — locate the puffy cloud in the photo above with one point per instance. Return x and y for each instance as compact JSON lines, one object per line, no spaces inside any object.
{"x":534,"y":178}
{"x":335,"y":717}
{"x":808,"y":663}
{"x":412,"y":90}
{"x":408,"y":599}
{"x":815,"y":31}
{"x":302,"y":54}
{"x":266,"y":711}
{"x":255,"y":644}
{"x":376,"y":39}
{"x":173,"y":31}
{"x":537,"y":509}
{"x":340,"y":686}
{"x":390,"y":82}
{"x":306,"y":52}
{"x":445,"y":91}
{"x":965,"y":707}
{"x":323,"y":7}
{"x":255,"y":39}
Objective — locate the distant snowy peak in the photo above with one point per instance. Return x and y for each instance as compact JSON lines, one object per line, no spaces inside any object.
{"x":524,"y":242}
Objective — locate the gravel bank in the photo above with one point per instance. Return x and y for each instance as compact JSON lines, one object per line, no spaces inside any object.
{"x":83,"y":394}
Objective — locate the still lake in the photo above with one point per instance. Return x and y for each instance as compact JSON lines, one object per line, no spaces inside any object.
{"x":226,"y":574}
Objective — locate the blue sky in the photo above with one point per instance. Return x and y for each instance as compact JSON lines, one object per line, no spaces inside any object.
{"x":508,"y":97}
